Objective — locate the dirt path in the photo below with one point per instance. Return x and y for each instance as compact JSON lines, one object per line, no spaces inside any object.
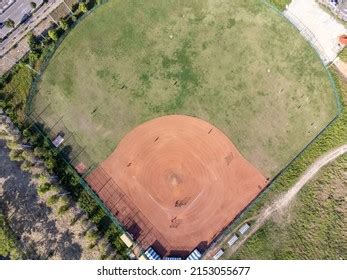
{"x":285,"y":200}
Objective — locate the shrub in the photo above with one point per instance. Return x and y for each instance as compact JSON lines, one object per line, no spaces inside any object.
{"x":43,"y":179}
{"x":39,"y":151}
{"x":32,"y":41}
{"x":26,"y":166}
{"x":9,"y":23}
{"x":33,"y":5}
{"x":15,"y":155}
{"x":83,"y":7}
{"x":63,"y":24}
{"x":65,"y":200}
{"x":49,"y":163}
{"x":29,"y":156}
{"x":53,"y":34}
{"x":53,"y":199}
{"x":63,"y":209}
{"x":13,"y":145}
{"x":92,"y":236}
{"x":42,"y":189}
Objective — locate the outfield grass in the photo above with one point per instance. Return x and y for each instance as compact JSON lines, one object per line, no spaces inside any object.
{"x":279,"y":4}
{"x":238,"y":65}
{"x":314,"y":226}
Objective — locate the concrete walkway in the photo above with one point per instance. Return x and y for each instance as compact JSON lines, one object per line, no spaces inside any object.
{"x":317,"y":26}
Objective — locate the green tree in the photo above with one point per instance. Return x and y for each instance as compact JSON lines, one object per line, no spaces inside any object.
{"x":43,"y":180}
{"x":53,"y":199}
{"x":28,"y":156}
{"x":9,"y":23}
{"x":39,"y":151}
{"x":63,"y":24}
{"x":13,"y":145}
{"x":33,"y":5}
{"x":83,"y":7}
{"x":53,"y":34}
{"x":26,"y":166}
{"x":15,"y":155}
{"x":32,"y":41}
{"x":50,"y":163}
{"x":33,"y":56}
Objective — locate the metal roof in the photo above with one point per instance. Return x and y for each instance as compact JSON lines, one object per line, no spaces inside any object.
{"x":232,"y":240}
{"x":195,"y":255}
{"x":151,"y":254}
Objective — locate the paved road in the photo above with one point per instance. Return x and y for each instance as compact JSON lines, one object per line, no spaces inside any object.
{"x":23,"y":29}
{"x":17,"y":12}
{"x":285,"y":200}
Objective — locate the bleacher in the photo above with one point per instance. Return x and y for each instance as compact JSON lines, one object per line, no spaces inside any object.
{"x":172,"y":258}
{"x":151,"y":254}
{"x":195,"y":255}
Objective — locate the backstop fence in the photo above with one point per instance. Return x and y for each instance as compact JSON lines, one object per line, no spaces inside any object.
{"x":124,"y":209}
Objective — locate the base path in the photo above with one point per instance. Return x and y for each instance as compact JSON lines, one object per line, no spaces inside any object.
{"x":284,"y":201}
{"x":185,"y":176}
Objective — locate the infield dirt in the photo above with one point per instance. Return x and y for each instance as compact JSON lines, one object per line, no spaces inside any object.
{"x":185,"y":176}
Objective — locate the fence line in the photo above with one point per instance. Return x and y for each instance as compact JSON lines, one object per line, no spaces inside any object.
{"x":307,"y":34}
{"x":126,"y":211}
{"x":229,"y":228}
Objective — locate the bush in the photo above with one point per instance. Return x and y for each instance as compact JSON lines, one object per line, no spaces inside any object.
{"x":13,"y":145}
{"x":29,"y":156}
{"x":53,"y":34}
{"x":33,"y":45}
{"x":9,"y":23}
{"x":64,"y":199}
{"x":42,"y":189}
{"x":83,"y":7}
{"x":26,"y":166}
{"x":63,"y":24}
{"x":39,"y":151}
{"x":53,"y":199}
{"x":9,"y":246}
{"x":15,"y":155}
{"x":63,"y":209}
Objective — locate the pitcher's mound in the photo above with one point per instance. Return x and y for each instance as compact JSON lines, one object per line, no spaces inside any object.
{"x":185,"y":176}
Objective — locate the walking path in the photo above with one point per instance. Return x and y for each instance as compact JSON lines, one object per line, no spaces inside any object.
{"x":284,"y":201}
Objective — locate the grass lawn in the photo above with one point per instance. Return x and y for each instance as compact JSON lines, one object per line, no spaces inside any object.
{"x":343,"y":55}
{"x":314,"y":226}
{"x":236,"y":64}
{"x":280,"y":4}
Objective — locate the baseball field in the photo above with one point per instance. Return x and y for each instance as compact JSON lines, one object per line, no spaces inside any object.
{"x":237,"y":65}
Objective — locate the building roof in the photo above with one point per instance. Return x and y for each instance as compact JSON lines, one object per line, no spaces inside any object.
{"x":127,"y":240}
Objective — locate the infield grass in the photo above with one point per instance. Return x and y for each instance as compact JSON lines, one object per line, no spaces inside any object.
{"x":236,"y":64}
